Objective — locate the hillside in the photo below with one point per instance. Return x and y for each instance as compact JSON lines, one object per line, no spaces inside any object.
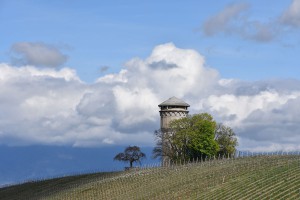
{"x":259,"y":177}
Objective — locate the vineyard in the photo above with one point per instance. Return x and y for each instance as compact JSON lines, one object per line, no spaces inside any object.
{"x":251,"y":177}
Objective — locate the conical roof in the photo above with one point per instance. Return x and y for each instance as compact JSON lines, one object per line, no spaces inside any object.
{"x":173,"y":101}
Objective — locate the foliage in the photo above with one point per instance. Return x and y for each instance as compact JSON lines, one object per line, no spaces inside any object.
{"x":226,"y":139}
{"x":187,"y":139}
{"x":202,"y":134}
{"x":131,"y":154}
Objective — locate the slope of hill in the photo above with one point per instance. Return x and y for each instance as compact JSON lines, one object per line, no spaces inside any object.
{"x":260,"y":177}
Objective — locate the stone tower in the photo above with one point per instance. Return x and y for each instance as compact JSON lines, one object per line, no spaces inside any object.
{"x":171,"y":109}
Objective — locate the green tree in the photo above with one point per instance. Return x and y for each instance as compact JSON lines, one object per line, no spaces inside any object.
{"x":226,"y":139}
{"x":202,"y":136}
{"x":187,"y":139}
{"x":131,"y":154}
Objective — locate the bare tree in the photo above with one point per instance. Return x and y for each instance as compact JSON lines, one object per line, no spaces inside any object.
{"x":131,"y":154}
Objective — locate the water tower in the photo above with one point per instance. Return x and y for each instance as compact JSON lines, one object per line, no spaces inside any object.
{"x":171,"y":109}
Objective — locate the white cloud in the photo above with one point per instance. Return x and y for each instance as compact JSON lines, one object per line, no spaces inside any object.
{"x":114,"y":78}
{"x":241,"y":106}
{"x":50,"y":106}
{"x":12,"y":73}
{"x":38,"y":54}
{"x":291,"y":16}
{"x":264,"y":114}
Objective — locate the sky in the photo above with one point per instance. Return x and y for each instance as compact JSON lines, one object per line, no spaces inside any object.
{"x":89,"y":74}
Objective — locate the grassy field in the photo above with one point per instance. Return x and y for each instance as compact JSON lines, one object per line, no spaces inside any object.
{"x":259,"y":177}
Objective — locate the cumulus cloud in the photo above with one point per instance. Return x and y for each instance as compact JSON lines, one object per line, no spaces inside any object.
{"x":51,"y":106}
{"x":37,"y":54}
{"x":291,"y":16}
{"x":262,"y":113}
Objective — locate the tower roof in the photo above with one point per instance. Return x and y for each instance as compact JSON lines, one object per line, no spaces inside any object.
{"x":173,"y":101}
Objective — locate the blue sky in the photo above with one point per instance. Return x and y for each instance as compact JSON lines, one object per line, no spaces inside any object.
{"x":95,"y":34}
{"x":90,"y":74}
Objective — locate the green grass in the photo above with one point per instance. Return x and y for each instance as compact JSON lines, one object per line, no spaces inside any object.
{"x":260,"y":177}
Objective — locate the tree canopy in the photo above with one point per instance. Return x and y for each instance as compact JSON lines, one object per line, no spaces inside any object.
{"x":131,"y":154}
{"x":226,"y":139}
{"x":194,"y":137}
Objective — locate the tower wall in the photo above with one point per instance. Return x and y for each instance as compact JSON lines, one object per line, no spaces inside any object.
{"x":166,"y":116}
